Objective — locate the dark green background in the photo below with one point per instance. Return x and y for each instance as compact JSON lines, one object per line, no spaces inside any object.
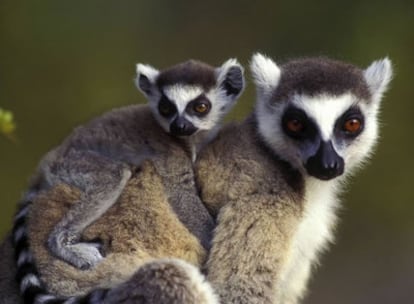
{"x":63,"y":62}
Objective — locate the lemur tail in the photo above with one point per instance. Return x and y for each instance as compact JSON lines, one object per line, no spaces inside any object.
{"x":160,"y":281}
{"x":31,"y":287}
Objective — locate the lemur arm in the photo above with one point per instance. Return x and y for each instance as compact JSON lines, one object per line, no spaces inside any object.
{"x":250,"y":248}
{"x":101,"y":181}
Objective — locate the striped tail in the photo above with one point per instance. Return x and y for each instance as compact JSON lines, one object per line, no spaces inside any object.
{"x":161,"y":281}
{"x":31,"y":287}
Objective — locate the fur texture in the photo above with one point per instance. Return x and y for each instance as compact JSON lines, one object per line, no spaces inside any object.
{"x":274,"y":218}
{"x":276,"y":213}
{"x":100,"y":158}
{"x":9,"y":289}
{"x":127,"y":244}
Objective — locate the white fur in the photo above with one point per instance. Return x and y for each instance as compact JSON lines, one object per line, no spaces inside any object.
{"x":221,"y":103}
{"x":71,"y":300}
{"x":200,"y":287}
{"x":378,"y":75}
{"x":44,"y":299}
{"x":325,"y":110}
{"x":29,"y":280}
{"x":24,"y":257}
{"x":200,"y":284}
{"x":266,"y":75}
{"x":150,"y":72}
{"x":362,"y":147}
{"x":312,"y":236}
{"x":316,"y":228}
{"x":221,"y":72}
{"x":269,"y":118}
{"x":181,"y":94}
{"x":22,"y":213}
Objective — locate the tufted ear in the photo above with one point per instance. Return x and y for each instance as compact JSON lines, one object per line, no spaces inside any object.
{"x":378,"y":75}
{"x":230,"y":78}
{"x":146,"y":77}
{"x":266,"y":74}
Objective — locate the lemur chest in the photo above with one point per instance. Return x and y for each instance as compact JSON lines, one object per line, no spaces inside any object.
{"x":315,"y":230}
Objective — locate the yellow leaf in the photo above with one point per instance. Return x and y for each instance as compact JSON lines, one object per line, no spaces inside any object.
{"x":7,"y":125}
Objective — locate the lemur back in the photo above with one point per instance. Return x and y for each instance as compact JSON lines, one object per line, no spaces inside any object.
{"x":274,"y":185}
{"x":186,"y":105}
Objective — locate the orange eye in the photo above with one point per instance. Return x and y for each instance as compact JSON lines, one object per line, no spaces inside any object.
{"x":201,"y":108}
{"x":294,"y":125}
{"x":352,"y":125}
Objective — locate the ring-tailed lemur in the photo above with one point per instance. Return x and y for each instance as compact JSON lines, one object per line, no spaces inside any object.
{"x":186,"y":105}
{"x":280,"y":172}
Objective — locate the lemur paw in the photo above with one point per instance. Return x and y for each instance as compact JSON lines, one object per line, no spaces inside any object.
{"x":84,"y":255}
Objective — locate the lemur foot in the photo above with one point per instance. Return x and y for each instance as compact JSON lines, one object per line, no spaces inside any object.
{"x":83,"y":255}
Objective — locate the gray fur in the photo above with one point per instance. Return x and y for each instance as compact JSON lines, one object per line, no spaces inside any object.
{"x":274,"y":217}
{"x":100,"y":157}
{"x":191,"y":72}
{"x":313,"y":76}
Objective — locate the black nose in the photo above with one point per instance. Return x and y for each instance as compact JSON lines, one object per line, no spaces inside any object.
{"x":326,"y":164}
{"x":182,"y":127}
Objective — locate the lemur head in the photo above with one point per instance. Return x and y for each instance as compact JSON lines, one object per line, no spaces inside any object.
{"x":318,"y":114}
{"x":191,"y":96}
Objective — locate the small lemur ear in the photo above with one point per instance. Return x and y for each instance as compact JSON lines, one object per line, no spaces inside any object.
{"x":230,"y":77}
{"x":146,"y":76}
{"x":266,"y":73}
{"x":378,"y":75}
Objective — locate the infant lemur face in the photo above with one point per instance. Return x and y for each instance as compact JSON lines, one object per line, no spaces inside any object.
{"x":318,"y":114}
{"x":191,"y":96}
{"x":184,"y":107}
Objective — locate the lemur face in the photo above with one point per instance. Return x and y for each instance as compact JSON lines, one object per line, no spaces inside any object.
{"x":319,"y":115}
{"x":191,"y":96}
{"x":326,"y":132}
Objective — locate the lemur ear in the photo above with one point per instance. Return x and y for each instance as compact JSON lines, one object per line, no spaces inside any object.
{"x":378,"y":75}
{"x":145,"y":80}
{"x":230,"y":78}
{"x":266,"y":74}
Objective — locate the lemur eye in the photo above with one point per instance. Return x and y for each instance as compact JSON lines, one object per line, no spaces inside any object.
{"x":295,"y":125}
{"x":201,"y":108}
{"x":352,"y":125}
{"x":166,"y":107}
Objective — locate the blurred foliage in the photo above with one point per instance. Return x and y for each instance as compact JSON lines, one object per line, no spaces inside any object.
{"x":63,"y":62}
{"x":7,"y":125}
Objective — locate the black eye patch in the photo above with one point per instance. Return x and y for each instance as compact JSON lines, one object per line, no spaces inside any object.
{"x":350,"y":124}
{"x":166,"y":107}
{"x":297,"y":125}
{"x":199,"y":106}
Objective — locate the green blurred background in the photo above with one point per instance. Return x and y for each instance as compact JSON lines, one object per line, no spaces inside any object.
{"x":63,"y":62}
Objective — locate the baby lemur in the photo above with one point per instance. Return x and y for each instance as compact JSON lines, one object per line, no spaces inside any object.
{"x":186,"y":105}
{"x":274,"y":179}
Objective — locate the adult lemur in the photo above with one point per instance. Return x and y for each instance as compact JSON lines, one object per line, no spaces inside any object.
{"x":274,"y":179}
{"x":186,"y":104}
